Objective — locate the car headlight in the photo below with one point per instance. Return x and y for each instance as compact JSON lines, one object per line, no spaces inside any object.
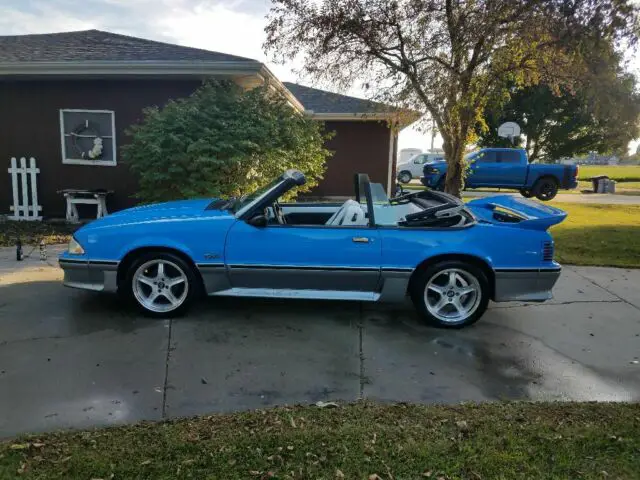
{"x":75,"y":248}
{"x":430,"y":170}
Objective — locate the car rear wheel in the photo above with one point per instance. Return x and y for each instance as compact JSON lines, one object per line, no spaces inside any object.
{"x":526,"y":193}
{"x":404,"y":176}
{"x":161,"y":284}
{"x":545,"y":189}
{"x":451,"y":294}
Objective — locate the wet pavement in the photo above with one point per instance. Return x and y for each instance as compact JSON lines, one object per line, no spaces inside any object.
{"x":75,"y":359}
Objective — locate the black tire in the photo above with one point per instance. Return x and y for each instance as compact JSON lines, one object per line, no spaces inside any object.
{"x":526,"y":193}
{"x":477,"y":304}
{"x":172,"y":264}
{"x":545,"y":189}
{"x":404,"y":176}
{"x":440,"y":185}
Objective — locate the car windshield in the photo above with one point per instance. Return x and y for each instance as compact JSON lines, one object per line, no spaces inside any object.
{"x":247,"y":199}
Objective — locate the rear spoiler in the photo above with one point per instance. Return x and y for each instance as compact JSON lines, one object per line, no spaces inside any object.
{"x":530,"y":215}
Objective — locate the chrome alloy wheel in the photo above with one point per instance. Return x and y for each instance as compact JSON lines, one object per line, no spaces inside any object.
{"x":160,"y":285}
{"x":452,"y":295}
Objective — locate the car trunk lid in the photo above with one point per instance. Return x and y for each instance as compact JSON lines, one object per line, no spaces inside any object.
{"x":516,"y":212}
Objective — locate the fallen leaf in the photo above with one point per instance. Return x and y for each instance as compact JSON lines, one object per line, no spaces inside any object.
{"x":428,"y":473}
{"x":339,"y":473}
{"x":322,"y":404}
{"x":289,"y":447}
{"x":292,"y":422}
{"x":38,"y":445}
{"x":374,"y":476}
{"x":146,"y":462}
{"x":19,"y":446}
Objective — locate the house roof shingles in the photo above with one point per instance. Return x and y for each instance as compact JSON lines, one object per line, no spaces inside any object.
{"x":99,"y":46}
{"x":95,"y":45}
{"x":321,"y":101}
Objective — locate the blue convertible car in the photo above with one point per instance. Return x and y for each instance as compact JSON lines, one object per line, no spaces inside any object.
{"x":451,"y":258}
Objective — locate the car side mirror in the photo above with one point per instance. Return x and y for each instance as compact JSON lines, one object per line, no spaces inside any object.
{"x":259,"y":220}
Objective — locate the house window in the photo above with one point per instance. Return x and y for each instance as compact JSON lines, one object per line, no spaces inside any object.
{"x":88,"y":137}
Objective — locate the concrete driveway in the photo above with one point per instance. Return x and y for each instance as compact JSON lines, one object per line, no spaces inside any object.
{"x":76,"y":359}
{"x":599,"y":198}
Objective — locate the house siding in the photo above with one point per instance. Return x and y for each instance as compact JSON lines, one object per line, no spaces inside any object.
{"x":30,"y":127}
{"x":359,"y":147}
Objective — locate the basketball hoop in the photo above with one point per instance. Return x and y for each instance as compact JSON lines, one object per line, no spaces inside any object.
{"x":509,"y":130}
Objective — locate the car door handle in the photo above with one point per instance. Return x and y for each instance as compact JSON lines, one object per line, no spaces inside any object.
{"x":360,"y":239}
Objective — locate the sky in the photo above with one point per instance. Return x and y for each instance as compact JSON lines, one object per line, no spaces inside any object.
{"x":229,"y":26}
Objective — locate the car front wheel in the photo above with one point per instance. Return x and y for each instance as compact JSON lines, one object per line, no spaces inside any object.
{"x":404,"y":177}
{"x":161,"y":284}
{"x":451,"y":294}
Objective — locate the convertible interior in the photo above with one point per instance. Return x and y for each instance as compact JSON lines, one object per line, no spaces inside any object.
{"x":425,"y":208}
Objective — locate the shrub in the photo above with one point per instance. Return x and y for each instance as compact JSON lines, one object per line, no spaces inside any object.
{"x":222,"y":141}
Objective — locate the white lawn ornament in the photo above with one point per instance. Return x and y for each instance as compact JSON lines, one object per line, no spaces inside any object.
{"x":96,"y":151}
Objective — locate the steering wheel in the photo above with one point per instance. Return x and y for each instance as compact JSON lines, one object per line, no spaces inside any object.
{"x":277,"y":210}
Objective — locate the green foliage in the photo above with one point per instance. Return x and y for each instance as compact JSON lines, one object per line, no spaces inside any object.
{"x":220,"y":142}
{"x":601,"y":113}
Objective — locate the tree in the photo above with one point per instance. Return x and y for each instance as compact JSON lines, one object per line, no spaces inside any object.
{"x":601,"y":113}
{"x":447,"y":58}
{"x":222,"y":141}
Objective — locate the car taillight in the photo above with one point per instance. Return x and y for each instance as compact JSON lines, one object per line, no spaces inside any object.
{"x":575,"y":175}
{"x":547,"y":251}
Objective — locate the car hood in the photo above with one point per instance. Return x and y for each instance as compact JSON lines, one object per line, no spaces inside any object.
{"x":174,"y":208}
{"x":167,"y":211}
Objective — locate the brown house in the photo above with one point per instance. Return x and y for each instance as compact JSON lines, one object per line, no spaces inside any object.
{"x":59,"y":92}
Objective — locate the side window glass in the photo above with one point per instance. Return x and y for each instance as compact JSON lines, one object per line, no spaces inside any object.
{"x":486,"y":157}
{"x":509,"y":157}
{"x":419,"y":159}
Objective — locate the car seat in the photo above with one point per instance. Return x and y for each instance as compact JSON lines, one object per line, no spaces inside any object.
{"x":350,"y":213}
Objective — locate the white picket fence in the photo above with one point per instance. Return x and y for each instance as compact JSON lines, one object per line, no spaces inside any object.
{"x":25,"y":189}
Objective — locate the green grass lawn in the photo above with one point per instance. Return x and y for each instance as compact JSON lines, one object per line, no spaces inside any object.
{"x":593,"y":234}
{"x":359,"y":441}
{"x":624,"y":173}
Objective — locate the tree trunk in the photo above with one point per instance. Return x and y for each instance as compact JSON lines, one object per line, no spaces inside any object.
{"x":454,"y":153}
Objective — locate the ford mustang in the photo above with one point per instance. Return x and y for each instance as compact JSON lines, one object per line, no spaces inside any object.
{"x":450,"y":258}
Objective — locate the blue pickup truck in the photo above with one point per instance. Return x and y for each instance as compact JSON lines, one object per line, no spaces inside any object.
{"x":507,"y":168}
